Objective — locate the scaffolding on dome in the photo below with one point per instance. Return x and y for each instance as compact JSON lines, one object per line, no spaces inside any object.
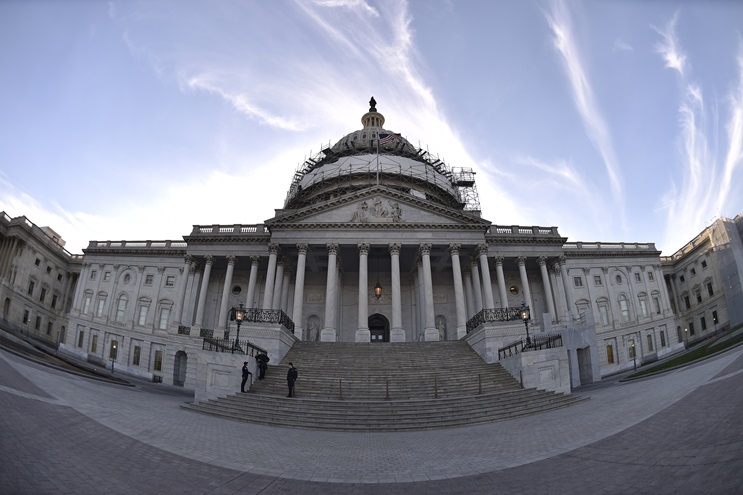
{"x":452,"y":186}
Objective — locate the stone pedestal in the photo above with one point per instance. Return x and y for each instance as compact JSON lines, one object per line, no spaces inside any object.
{"x":363,"y":335}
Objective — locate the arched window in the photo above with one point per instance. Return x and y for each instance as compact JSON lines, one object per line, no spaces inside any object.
{"x":624,"y":307}
{"x":121,"y":307}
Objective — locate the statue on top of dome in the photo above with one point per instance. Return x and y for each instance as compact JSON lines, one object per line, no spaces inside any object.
{"x":372,"y":105}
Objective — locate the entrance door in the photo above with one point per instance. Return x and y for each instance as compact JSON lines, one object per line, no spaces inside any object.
{"x":379,"y":328}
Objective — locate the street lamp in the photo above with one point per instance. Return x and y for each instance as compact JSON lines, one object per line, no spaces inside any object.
{"x":113,"y":355}
{"x":237,"y":315}
{"x":686,"y":338}
{"x":525,"y":316}
{"x":634,"y":355}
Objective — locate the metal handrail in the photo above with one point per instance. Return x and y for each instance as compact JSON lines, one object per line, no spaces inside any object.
{"x":537,"y":343}
{"x":232,"y":346}
{"x":495,"y":314}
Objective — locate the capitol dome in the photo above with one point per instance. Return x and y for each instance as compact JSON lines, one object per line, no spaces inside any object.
{"x":373,"y":156}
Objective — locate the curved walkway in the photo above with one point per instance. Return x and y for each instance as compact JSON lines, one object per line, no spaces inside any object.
{"x":675,"y":433}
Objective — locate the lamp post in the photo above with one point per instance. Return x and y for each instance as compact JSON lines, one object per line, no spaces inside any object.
{"x":634,"y":355}
{"x":525,"y":316}
{"x":237,"y":315}
{"x":113,"y":355}
{"x":686,"y":338}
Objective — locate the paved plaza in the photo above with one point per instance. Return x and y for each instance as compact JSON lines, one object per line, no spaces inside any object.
{"x":679,"y":432}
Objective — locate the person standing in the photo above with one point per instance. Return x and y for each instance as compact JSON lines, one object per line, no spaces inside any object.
{"x":291,"y":377}
{"x":246,"y":374}
{"x":263,"y":360}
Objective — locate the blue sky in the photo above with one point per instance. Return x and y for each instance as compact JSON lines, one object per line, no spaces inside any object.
{"x":612,"y":120}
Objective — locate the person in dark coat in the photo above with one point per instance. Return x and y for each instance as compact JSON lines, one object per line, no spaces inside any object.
{"x":263,"y":360}
{"x":246,"y":374}
{"x":291,"y":377}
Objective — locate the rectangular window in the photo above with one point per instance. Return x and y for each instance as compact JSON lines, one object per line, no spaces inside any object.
{"x":48,"y":269}
{"x":37,"y":262}
{"x":142,"y":316}
{"x":80,"y":339}
{"x":704,"y":264}
{"x":624,"y":309}
{"x":597,"y":280}
{"x":170,"y":281}
{"x":42,"y":295}
{"x":704,"y":324}
{"x":164,"y":315}
{"x":682,"y":279}
{"x":148,"y":279}
{"x":650,"y":343}
{"x":651,"y":277}
{"x":114,"y":350}
{"x":59,"y":277}
{"x":49,"y":326}
{"x":121,"y":309}
{"x":99,"y":310}
{"x":631,"y":348}
{"x":31,"y":288}
{"x":86,"y":305}
{"x":709,"y":289}
{"x":610,"y":354}
{"x":656,"y":305}
{"x":135,"y":355}
{"x":93,"y":274}
{"x":691,"y":328}
{"x":38,"y":323}
{"x":25,"y":317}
{"x":106,"y":276}
{"x":54,"y":301}
{"x":693,"y":272}
{"x":643,"y":307}
{"x":714,"y":318}
{"x":578,"y":281}
{"x":699,"y":297}
{"x":158,"y":365}
{"x":662,"y":338}
{"x":94,"y":344}
{"x":638,"y":277}
{"x":686,"y":301}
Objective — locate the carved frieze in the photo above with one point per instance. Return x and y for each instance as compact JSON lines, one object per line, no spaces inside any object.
{"x":377,"y":212}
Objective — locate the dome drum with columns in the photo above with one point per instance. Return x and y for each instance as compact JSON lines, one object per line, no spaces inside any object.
{"x":378,"y":241}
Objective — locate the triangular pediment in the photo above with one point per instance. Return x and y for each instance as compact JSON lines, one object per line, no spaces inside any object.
{"x":378,"y":207}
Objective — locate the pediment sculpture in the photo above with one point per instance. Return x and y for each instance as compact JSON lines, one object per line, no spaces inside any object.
{"x":377,"y":212}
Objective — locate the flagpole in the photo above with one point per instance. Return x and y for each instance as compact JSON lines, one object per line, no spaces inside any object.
{"x":377,"y":160}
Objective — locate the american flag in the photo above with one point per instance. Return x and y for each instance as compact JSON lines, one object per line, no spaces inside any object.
{"x":388,"y":138}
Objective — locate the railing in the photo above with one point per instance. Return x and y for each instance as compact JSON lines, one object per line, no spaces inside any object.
{"x":269,"y":316}
{"x":536,"y":343}
{"x":232,"y":346}
{"x":184,"y":330}
{"x":497,"y":314}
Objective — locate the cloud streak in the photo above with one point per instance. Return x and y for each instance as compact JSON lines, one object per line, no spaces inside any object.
{"x":583,"y":96}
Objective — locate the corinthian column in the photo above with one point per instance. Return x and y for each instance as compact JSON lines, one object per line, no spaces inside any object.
{"x":273,"y":250}
{"x":397,"y":334}
{"x":222,"y":323}
{"x":476,"y":285}
{"x":566,"y":286}
{"x":501,"y":282}
{"x":547,"y":289}
{"x":362,"y":332}
{"x":250,"y":301}
{"x":431,"y":333}
{"x":458,"y":291}
{"x":488,"y":301}
{"x":297,"y":315}
{"x":521,"y":260}
{"x":209,"y":259}
{"x":328,"y":334}
{"x":276,"y":297}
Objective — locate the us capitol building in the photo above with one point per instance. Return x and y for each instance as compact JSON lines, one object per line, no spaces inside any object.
{"x":377,"y":241}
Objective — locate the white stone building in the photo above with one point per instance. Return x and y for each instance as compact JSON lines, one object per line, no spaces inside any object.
{"x":377,"y":241}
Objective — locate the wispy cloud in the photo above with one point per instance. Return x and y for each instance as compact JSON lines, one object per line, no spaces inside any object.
{"x":706,"y":186}
{"x":668,"y":47}
{"x":596,"y":127}
{"x":622,"y":46}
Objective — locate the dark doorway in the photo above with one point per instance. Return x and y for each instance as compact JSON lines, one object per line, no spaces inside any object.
{"x":379,"y":328}
{"x":179,"y":368}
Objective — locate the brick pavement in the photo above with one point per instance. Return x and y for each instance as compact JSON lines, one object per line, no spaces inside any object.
{"x":675,"y":433}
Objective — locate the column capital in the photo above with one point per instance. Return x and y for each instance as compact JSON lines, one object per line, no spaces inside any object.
{"x":140,"y":268}
{"x":332,"y":248}
{"x":482,"y":248}
{"x":474,"y":262}
{"x":521,"y":260}
{"x":454,"y":248}
{"x":281,"y":260}
{"x":394,"y":249}
{"x":208,"y":259}
{"x":302,"y":248}
{"x":562,"y":260}
{"x":160,"y":269}
{"x":231,"y":258}
{"x":363,"y":248}
{"x":556,"y":268}
{"x":542,"y":260}
{"x":255,"y":259}
{"x":187,"y":259}
{"x":586,"y":272}
{"x":273,"y":248}
{"x":425,"y":249}
{"x":498,"y":260}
